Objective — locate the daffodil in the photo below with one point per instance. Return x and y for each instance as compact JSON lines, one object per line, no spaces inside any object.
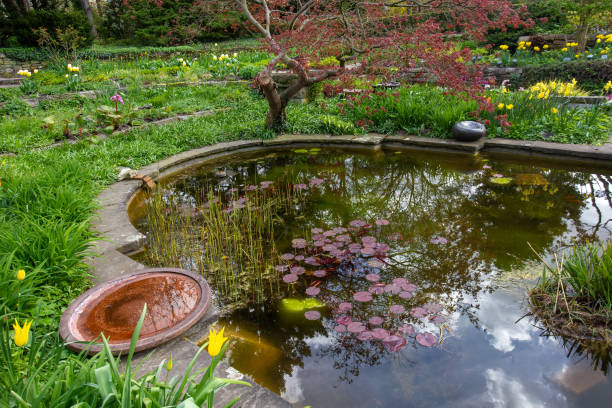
{"x":509,"y":106}
{"x":36,"y":71}
{"x":169,"y":363}
{"x":21,"y":275}
{"x":564,"y":49}
{"x":545,"y":46}
{"x":215,"y":342}
{"x":214,"y":57}
{"x":500,"y":106}
{"x":235,"y":55}
{"x":541,"y":95}
{"x":21,"y":333}
{"x":528,"y":44}
{"x":608,"y":86}
{"x":536,"y":48}
{"x":554,"y":111}
{"x":503,"y":47}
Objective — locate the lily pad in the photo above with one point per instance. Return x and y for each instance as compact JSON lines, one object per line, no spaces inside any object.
{"x":312,"y":291}
{"x":426,"y":339}
{"x":394,"y":343}
{"x":290,"y":278}
{"x":355,"y":327}
{"x":287,"y":257}
{"x":365,"y":336}
{"x":380,"y":333}
{"x":500,"y":180}
{"x":362,"y":296}
{"x":418,"y":312}
{"x":377,"y":289}
{"x":312,"y":315}
{"x":406,"y":329}
{"x":320,"y":273}
{"x":344,"y":307}
{"x":405,"y":295}
{"x":382,"y":222}
{"x":375,"y":320}
{"x":343,"y":320}
{"x":340,"y":328}
{"x":396,"y":309}
{"x":372,"y":277}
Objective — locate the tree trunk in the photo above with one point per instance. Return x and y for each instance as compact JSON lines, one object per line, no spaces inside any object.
{"x":87,"y":10}
{"x":583,"y":31}
{"x":277,"y":116}
{"x":99,"y":7}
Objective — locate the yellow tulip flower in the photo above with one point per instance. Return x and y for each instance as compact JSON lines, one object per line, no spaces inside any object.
{"x":545,"y":46}
{"x":568,"y":44}
{"x":235,"y":55}
{"x":598,"y":40}
{"x":564,"y":49}
{"x":540,"y":95}
{"x":608,"y":86}
{"x":169,"y":364}
{"x":509,"y":106}
{"x":528,"y":44}
{"x":215,"y":342}
{"x":21,"y":274}
{"x":21,"y":333}
{"x":536,"y":48}
{"x":503,"y":47}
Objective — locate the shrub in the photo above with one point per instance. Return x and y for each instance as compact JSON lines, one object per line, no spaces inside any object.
{"x":591,"y":75}
{"x":21,"y":27}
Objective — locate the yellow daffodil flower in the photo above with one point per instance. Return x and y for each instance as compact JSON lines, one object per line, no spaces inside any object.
{"x":503,"y":47}
{"x":214,"y":57}
{"x":235,"y":55}
{"x":564,"y":49}
{"x":36,"y":71}
{"x":536,"y":48}
{"x":545,"y":46}
{"x":500,"y":106}
{"x":541,"y":95}
{"x":554,"y":111}
{"x":21,"y":333}
{"x":568,"y":44}
{"x":598,"y":40}
{"x":169,"y":363}
{"x":521,"y":43}
{"x":215,"y":342}
{"x":21,"y":274}
{"x":608,"y":86}
{"x":509,"y":106}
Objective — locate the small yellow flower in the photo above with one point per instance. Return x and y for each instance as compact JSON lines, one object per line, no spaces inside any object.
{"x":568,"y":44}
{"x":66,"y":75}
{"x":509,"y":106}
{"x":215,"y":342}
{"x":545,"y":46}
{"x":528,"y":44}
{"x":36,"y":71}
{"x":21,"y":333}
{"x":214,"y":57}
{"x":598,"y":40}
{"x":554,"y":110}
{"x":503,"y":47}
{"x":564,"y":49}
{"x":536,"y":48}
{"x":521,"y":43}
{"x":500,"y":106}
{"x":574,"y":44}
{"x":216,"y":45}
{"x":235,"y":55}
{"x":504,"y":89}
{"x":608,"y":86}
{"x":540,"y":95}
{"x":21,"y":274}
{"x":184,"y":63}
{"x":169,"y":363}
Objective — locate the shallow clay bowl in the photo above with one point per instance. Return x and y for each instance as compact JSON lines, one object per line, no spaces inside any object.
{"x":176,"y":299}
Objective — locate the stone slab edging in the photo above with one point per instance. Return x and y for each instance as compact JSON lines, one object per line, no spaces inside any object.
{"x":119,"y":237}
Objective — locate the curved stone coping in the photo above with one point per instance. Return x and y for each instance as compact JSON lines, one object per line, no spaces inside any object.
{"x":120,"y":237}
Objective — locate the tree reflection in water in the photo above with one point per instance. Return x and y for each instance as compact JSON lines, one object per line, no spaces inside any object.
{"x":488,"y":228}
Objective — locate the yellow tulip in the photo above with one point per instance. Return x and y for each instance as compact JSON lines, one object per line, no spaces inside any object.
{"x":545,"y":46}
{"x":536,"y":48}
{"x":608,"y":86}
{"x":522,"y":43}
{"x":564,"y":49}
{"x":509,"y":106}
{"x":500,"y":106}
{"x":36,"y":71}
{"x":528,"y":44}
{"x":568,"y":44}
{"x":503,"y":47}
{"x":169,"y":364}
{"x":21,"y":333}
{"x":215,"y":342}
{"x":540,"y":95}
{"x":21,"y":274}
{"x":598,"y":40}
{"x":214,"y":57}
{"x":554,"y":111}
{"x":235,"y":55}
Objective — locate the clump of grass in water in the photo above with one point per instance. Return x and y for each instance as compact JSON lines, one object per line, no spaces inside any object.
{"x":574,"y":297}
{"x":228,"y":238}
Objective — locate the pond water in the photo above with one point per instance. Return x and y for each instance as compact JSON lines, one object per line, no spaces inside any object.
{"x":409,"y":285}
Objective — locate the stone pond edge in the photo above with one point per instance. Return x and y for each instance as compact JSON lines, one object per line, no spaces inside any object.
{"x":119,"y":237}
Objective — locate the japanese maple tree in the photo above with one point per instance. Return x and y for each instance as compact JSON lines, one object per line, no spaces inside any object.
{"x":383,"y":38}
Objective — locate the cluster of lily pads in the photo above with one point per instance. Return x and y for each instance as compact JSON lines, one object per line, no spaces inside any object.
{"x":374,"y":314}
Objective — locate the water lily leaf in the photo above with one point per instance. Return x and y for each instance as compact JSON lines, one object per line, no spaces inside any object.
{"x":312,"y":303}
{"x":290,"y":278}
{"x":355,"y":327}
{"x":380,"y":333}
{"x":312,"y":291}
{"x":375,"y":320}
{"x":344,"y":307}
{"x":373,"y":277}
{"x":394,"y":343}
{"x":396,"y":309}
{"x":426,"y":339}
{"x":362,"y":296}
{"x":500,"y":180}
{"x":312,"y":315}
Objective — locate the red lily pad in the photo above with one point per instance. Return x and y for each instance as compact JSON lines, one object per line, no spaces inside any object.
{"x":287,"y":257}
{"x":312,"y":291}
{"x":391,"y":288}
{"x":312,"y":315}
{"x":426,"y":339}
{"x":344,"y":307}
{"x":355,"y":327}
{"x":405,"y":295}
{"x":281,"y":268}
{"x":382,"y":222}
{"x":290,"y":278}
{"x":340,"y":328}
{"x":343,"y":320}
{"x":376,"y":320}
{"x":298,"y":243}
{"x":373,"y":277}
{"x":409,"y":287}
{"x":362,"y":296}
{"x":396,"y":309}
{"x":406,"y":329}
{"x":400,"y":281}
{"x":432,"y":307}
{"x":316,"y":230}
{"x":367,"y":251}
{"x":375,"y":263}
{"x":358,"y":223}
{"x":380,"y":333}
{"x":377,"y":289}
{"x":394,"y":343}
{"x":299,"y":257}
{"x":320,"y":273}
{"x":297,"y":270}
{"x":365,"y":336}
{"x":439,"y":320}
{"x":418,"y":312}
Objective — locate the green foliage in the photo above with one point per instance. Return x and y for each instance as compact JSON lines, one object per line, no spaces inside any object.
{"x":18,"y":30}
{"x":591,"y":75}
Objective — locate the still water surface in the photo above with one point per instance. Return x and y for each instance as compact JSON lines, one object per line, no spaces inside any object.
{"x":460,"y":229}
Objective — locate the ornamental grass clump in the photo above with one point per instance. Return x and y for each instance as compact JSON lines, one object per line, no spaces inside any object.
{"x":574,"y":296}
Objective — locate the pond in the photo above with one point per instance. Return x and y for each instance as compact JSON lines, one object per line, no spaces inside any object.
{"x":388,"y":278}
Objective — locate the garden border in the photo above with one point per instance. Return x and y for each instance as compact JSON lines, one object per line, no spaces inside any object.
{"x":121,"y":237}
